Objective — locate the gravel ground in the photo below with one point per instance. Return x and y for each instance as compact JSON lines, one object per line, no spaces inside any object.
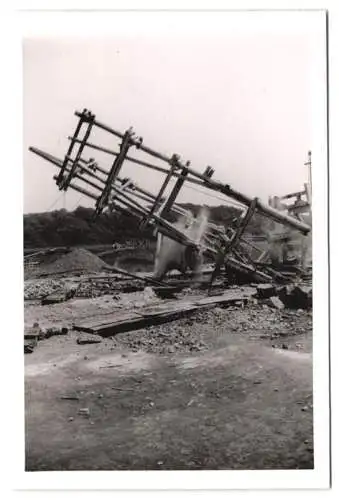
{"x":210,"y":328}
{"x":207,"y":391}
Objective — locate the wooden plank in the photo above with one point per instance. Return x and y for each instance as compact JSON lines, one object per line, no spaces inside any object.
{"x":177,"y":307}
{"x":222,"y":299}
{"x":129,"y":321}
{"x":153,"y":315}
{"x":108,"y":319}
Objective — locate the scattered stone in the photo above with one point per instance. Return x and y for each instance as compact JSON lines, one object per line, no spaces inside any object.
{"x":284,"y":346}
{"x":70,"y":397}
{"x":84,"y":412}
{"x":275,"y":302}
{"x":70,"y":419}
{"x":88,"y":338}
{"x":304,"y":408}
{"x":276,"y":389}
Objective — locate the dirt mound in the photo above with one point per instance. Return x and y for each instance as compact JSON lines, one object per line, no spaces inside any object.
{"x":78,"y":259}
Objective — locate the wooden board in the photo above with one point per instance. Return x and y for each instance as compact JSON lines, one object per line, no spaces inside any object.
{"x":114,"y":319}
{"x":169,"y":310}
{"x":118,"y":323}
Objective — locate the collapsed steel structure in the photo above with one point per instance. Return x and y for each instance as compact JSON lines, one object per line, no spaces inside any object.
{"x":111,"y":190}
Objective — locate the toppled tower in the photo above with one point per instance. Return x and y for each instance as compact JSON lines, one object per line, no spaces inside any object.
{"x":111,"y":190}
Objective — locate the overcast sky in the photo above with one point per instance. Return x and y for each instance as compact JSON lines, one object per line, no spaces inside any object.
{"x":238,"y":100}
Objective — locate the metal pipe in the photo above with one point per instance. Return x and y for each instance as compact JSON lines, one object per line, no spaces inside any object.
{"x":146,"y":164}
{"x":132,"y":141}
{"x":58,"y":163}
{"x":241,"y":198}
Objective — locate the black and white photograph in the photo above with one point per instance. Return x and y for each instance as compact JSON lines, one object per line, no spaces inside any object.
{"x":170,"y":161}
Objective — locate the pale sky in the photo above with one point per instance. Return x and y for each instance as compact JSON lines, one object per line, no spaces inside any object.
{"x":238,"y":101}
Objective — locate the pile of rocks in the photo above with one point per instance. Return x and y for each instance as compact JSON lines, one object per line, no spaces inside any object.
{"x":39,"y":288}
{"x":74,"y":260}
{"x":166,"y":339}
{"x":96,"y":288}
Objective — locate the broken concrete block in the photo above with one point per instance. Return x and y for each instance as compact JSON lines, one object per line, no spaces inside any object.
{"x":275,"y":302}
{"x":88,"y":338}
{"x":302,"y":297}
{"x":265,"y":291}
{"x":296,"y":296}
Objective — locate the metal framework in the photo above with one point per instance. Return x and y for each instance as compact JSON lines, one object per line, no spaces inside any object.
{"x":111,"y":190}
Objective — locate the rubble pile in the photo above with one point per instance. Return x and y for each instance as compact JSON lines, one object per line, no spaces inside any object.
{"x":39,"y":288}
{"x":78,"y":259}
{"x":96,"y":288}
{"x":166,"y":339}
{"x":258,"y":320}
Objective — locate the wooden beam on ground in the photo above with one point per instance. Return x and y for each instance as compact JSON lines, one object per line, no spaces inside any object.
{"x":135,"y":276}
{"x":153,"y":315}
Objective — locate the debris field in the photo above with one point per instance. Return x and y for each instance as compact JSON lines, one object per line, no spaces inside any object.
{"x":204,"y":364}
{"x":214,"y":359}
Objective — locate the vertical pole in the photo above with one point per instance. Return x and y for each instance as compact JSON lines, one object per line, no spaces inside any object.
{"x":309,"y":165}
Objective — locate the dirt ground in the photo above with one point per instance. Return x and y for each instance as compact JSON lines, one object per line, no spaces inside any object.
{"x":223,"y":389}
